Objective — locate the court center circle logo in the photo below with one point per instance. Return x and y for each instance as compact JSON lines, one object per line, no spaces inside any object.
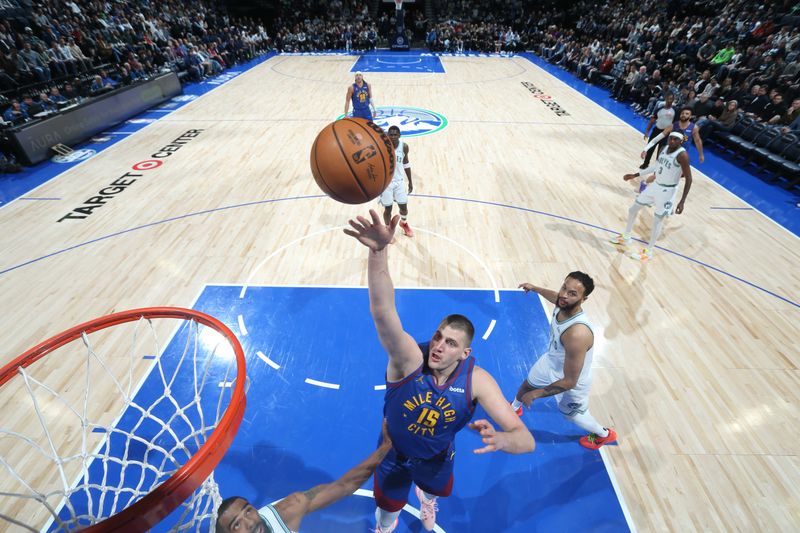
{"x":412,"y":121}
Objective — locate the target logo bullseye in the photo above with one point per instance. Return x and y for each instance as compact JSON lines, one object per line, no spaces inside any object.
{"x":147,"y":164}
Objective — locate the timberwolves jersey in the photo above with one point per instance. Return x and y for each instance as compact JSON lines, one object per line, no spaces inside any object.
{"x":669,"y":171}
{"x":360,"y":97}
{"x":273,"y":520}
{"x":423,"y":417}
{"x":555,"y":350}
{"x":400,"y":155}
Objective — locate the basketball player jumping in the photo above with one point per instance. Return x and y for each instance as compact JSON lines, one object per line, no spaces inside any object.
{"x":431,"y":393}
{"x":398,"y":190}
{"x":672,"y":164}
{"x":237,"y":514}
{"x":360,"y":93}
{"x":565,"y":370}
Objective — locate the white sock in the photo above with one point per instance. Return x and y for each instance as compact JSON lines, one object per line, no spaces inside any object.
{"x":587,"y":422}
{"x":658,"y":224}
{"x":404,"y":218}
{"x":632,"y":213}
{"x":516,"y":404}
{"x":430,"y":498}
{"x":385,"y":519}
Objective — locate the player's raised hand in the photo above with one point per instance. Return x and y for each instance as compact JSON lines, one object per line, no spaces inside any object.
{"x":494,"y":440}
{"x":374,"y":234}
{"x":527,"y":287}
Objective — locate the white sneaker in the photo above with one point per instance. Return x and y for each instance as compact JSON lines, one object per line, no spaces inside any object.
{"x":427,"y":511}
{"x":643,"y":255}
{"x":621,"y":240}
{"x":379,"y":529}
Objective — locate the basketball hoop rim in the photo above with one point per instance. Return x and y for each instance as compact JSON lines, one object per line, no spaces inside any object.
{"x":159,"y":503}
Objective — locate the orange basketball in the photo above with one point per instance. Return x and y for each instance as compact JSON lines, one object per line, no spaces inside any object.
{"x":352,"y":160}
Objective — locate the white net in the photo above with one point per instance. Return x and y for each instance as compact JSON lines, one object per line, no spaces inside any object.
{"x":99,"y":423}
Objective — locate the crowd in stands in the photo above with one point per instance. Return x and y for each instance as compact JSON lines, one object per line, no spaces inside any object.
{"x":725,"y":60}
{"x":316,"y":25}
{"x":736,"y":60}
{"x":62,"y":52}
{"x":741,"y":54}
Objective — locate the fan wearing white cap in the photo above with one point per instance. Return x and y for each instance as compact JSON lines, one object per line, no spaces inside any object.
{"x":671,"y":166}
{"x":360,"y":93}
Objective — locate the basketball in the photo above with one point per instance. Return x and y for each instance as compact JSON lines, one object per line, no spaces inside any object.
{"x":352,"y":160}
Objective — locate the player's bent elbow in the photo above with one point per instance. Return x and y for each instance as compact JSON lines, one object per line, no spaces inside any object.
{"x":530,"y":443}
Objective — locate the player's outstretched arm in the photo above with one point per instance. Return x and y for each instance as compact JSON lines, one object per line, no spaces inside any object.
{"x":683,"y":161}
{"x":404,"y":354}
{"x":698,"y":142}
{"x":577,"y":340}
{"x":548,"y":294}
{"x":514,"y":437}
{"x":347,"y":98}
{"x":655,"y":140}
{"x":407,"y":167}
{"x":297,"y":505}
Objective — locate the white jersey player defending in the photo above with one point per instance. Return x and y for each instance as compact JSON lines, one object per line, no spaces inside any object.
{"x":565,"y":370}
{"x":672,"y":164}
{"x":398,"y":190}
{"x":236,"y":514}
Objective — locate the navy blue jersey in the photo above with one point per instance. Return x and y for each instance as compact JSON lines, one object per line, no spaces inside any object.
{"x":423,"y":417}
{"x":360,"y":97}
{"x":687,"y":131}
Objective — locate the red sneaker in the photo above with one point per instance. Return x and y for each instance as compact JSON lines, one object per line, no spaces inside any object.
{"x":518,"y":410}
{"x":593,"y":442}
{"x":406,"y":229}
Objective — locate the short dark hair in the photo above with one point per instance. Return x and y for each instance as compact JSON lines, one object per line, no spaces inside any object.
{"x":394,"y":128}
{"x":686,"y":108}
{"x":461,"y":323}
{"x":227,"y":502}
{"x":585,"y":279}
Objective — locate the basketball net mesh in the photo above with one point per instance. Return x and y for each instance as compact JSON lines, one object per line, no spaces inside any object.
{"x":113,"y":463}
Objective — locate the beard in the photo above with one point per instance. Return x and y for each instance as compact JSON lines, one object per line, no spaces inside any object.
{"x":569,"y":308}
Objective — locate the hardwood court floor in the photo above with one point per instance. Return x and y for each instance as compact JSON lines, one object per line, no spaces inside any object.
{"x":694,"y":364}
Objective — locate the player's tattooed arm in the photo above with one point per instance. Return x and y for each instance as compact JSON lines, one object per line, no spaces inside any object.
{"x":552,"y":390}
{"x":310,"y":494}
{"x":297,"y":505}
